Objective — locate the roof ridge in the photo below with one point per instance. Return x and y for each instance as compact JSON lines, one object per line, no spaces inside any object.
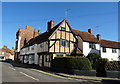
{"x":109,"y":41}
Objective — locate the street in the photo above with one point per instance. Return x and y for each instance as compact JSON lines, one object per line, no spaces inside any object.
{"x":13,"y":72}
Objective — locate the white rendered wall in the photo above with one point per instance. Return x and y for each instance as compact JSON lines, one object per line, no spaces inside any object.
{"x":22,"y":51}
{"x":36,"y":55}
{"x":44,"y":48}
{"x":87,"y":50}
{"x":109,"y":55}
{"x":19,"y":39}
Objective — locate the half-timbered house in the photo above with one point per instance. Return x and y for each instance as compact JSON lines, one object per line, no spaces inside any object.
{"x":61,"y":40}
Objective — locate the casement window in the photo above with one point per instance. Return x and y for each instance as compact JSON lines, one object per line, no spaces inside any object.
{"x":47,"y":43}
{"x":41,"y":45}
{"x":68,"y":54}
{"x":26,"y":58}
{"x":119,"y":57}
{"x":28,"y":48}
{"x":31,"y":58}
{"x":92,"y":45}
{"x":32,"y":47}
{"x":64,"y":43}
{"x":62,"y":28}
{"x":47,"y":58}
{"x":114,"y":51}
{"x":104,"y":49}
{"x":59,"y":54}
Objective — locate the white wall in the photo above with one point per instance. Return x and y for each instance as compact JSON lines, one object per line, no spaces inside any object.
{"x":87,"y":50}
{"x":36,"y":49}
{"x":19,"y":39}
{"x":44,"y":47}
{"x":23,"y":51}
{"x":108,"y":54}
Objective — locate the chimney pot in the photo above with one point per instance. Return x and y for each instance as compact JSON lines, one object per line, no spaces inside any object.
{"x":98,"y":36}
{"x":38,"y":31}
{"x":12,"y":48}
{"x":90,"y":31}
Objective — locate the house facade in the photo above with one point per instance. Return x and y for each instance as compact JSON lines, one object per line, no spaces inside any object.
{"x":62,"y":40}
{"x":110,"y":50}
{"x":58,"y":40}
{"x":22,"y":37}
{"x":6,"y":53}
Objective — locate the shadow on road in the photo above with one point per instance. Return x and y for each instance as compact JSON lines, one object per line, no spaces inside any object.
{"x":108,"y":81}
{"x":30,"y":66}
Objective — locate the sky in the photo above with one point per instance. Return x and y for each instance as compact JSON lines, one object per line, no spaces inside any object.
{"x":102,"y":17}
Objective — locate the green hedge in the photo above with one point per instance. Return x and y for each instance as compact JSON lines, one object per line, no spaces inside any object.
{"x":100,"y":67}
{"x":71,"y":62}
{"x":93,"y":57}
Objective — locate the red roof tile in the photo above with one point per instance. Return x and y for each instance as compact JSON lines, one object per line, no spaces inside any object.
{"x":85,"y":36}
{"x":110,"y":44}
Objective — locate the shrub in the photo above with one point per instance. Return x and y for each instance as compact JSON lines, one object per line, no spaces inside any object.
{"x":93,"y":57}
{"x":100,"y":67}
{"x":71,"y":62}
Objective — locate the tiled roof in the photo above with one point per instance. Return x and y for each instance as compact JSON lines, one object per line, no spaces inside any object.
{"x":43,"y":37}
{"x":110,"y":44}
{"x":8,"y":51}
{"x":85,"y":36}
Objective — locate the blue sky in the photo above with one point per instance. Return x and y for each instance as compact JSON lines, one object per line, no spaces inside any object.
{"x":102,"y":17}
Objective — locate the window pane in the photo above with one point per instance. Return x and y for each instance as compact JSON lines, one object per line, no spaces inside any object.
{"x":114,"y":51}
{"x":59,"y":54}
{"x":65,"y":43}
{"x":104,"y":49}
{"x":63,"y":28}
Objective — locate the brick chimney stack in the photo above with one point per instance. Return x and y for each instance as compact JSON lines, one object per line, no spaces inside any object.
{"x":50,"y":24}
{"x":5,"y":47}
{"x":98,"y":36}
{"x":90,"y":31}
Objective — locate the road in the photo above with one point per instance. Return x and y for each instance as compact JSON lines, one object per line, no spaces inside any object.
{"x":13,"y":72}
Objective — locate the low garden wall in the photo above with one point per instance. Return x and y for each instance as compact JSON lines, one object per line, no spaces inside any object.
{"x":85,"y":72}
{"x":113,"y":74}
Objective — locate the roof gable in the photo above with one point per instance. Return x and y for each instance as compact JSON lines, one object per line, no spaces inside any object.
{"x":42,"y":37}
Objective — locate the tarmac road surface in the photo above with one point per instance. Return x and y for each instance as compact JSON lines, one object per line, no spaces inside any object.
{"x":12,"y":72}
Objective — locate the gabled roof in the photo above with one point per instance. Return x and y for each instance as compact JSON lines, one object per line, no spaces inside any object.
{"x":85,"y":36}
{"x":110,"y":44}
{"x":42,"y":37}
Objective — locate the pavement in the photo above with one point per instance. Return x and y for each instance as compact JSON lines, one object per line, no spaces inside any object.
{"x":38,"y":74}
